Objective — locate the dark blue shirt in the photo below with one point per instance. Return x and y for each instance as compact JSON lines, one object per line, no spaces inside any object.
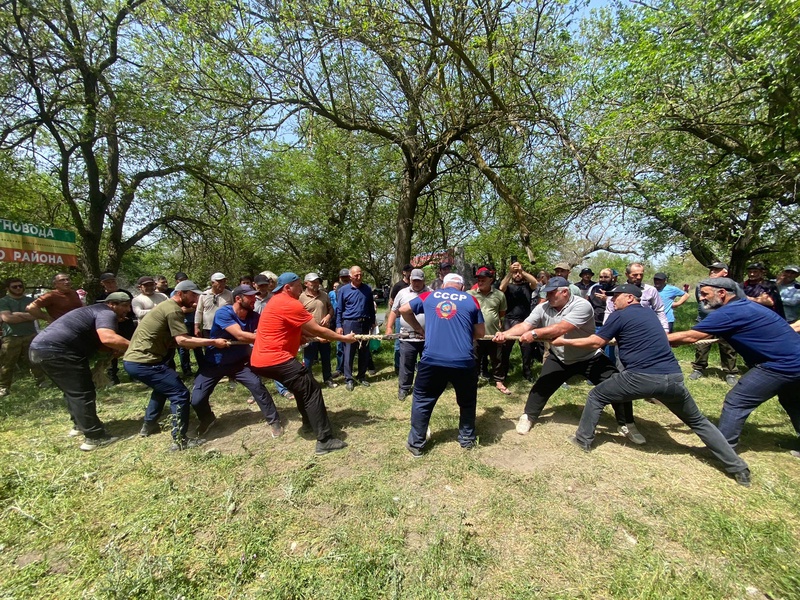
{"x":76,"y":331}
{"x":355,"y":303}
{"x":641,"y":341}
{"x":450,"y":318}
{"x":223,"y":318}
{"x":757,"y":333}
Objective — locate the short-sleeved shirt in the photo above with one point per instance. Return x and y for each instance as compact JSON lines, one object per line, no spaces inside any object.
{"x":576,"y":311}
{"x":224,"y":318}
{"x":641,"y":341}
{"x":493,"y":305}
{"x":58,"y":303}
{"x":450,"y":319}
{"x":76,"y":331}
{"x":155,"y":336}
{"x":404,"y":296}
{"x":518,"y":301}
{"x":279,"y":331}
{"x":758,"y":334}
{"x":319,"y":306}
{"x":668,"y":296}
{"x":11,"y":304}
{"x":207,"y":304}
{"x":650,"y":299}
{"x":396,"y":289}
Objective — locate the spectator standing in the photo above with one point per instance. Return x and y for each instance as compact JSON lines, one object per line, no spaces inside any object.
{"x":317,"y":303}
{"x":356,"y":315}
{"x":147,"y":298}
{"x":758,"y":289}
{"x":789,"y":291}
{"x":18,"y":333}
{"x":493,"y":307}
{"x":209,"y":301}
{"x":57,"y":302}
{"x":519,"y":287}
{"x":671,"y":296}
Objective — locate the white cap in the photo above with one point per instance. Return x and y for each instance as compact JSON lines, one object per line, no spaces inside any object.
{"x":453,"y":278}
{"x":218,"y":277}
{"x":312,"y":277}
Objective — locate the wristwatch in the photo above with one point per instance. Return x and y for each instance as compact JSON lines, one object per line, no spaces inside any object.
{"x":533,"y":334}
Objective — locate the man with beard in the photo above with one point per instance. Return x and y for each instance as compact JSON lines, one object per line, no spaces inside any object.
{"x":146,"y":360}
{"x":410,"y":349}
{"x":651,"y":370}
{"x":237,"y":321}
{"x":18,"y":333}
{"x":108,"y":281}
{"x":280,"y":330}
{"x":208,"y":302}
{"x":765,"y":341}
{"x":598,"y":296}
{"x":650,"y":296}
{"x":518,"y":285}
{"x":493,"y":306}
{"x":147,"y":298}
{"x":566,"y":315}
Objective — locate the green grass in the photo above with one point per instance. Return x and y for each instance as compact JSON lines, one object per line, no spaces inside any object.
{"x":247,"y":516}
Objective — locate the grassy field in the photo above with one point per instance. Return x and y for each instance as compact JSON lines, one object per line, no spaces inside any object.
{"x":248,"y":516}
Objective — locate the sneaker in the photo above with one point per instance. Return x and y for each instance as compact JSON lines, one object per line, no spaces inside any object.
{"x":743,"y":477}
{"x":206,"y":424}
{"x":276,"y":429}
{"x":3,"y":391}
{"x":90,"y":444}
{"x":696,"y":374}
{"x":330,"y":445}
{"x":630,"y":431}
{"x":363,"y":382}
{"x":74,"y":432}
{"x":731,"y":379}
{"x":794,"y":453}
{"x":402,"y":395}
{"x":574,"y":441}
{"x":331,"y":384}
{"x":524,"y":424}
{"x":149,"y":428}
{"x":350,"y":386}
{"x":186,"y":444}
{"x":415,"y":452}
{"x":287,"y":394}
{"x":428,"y":435}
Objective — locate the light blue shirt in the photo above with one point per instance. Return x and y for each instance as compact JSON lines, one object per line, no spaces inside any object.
{"x":790,"y":296}
{"x":668,"y":295}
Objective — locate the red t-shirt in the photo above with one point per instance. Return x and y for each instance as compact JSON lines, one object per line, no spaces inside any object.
{"x":279,"y":331}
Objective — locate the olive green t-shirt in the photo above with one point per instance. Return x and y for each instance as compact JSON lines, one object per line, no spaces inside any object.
{"x":493,"y":305}
{"x":155,"y":336}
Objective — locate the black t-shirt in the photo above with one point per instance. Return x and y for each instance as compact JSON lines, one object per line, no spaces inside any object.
{"x":395,"y":290}
{"x":518,"y":299}
{"x":76,"y":331}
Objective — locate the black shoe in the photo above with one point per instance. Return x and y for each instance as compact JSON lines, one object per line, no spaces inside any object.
{"x":329,"y":445}
{"x":743,"y":477}
{"x":149,"y":428}
{"x":468,"y":446}
{"x":415,"y":452}
{"x":363,"y":382}
{"x":113,"y":378}
{"x":206,"y":424}
{"x":575,"y":442}
{"x":350,"y":386}
{"x":402,"y":395}
{"x":336,"y":374}
{"x":186,"y":444}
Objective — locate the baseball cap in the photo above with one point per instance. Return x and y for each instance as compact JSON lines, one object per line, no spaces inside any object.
{"x":562,"y":265}
{"x":284,"y":279}
{"x":726,"y":283}
{"x":180,"y":276}
{"x":628,"y":288}
{"x":556,"y":282}
{"x":145,"y":279}
{"x":484,"y":272}
{"x":445,"y":265}
{"x":107,"y":276}
{"x":218,"y":277}
{"x":312,"y":277}
{"x":453,"y":278}
{"x":756,"y":265}
{"x":660,"y":275}
{"x":718,"y":266}
{"x":792,"y":268}
{"x":418,"y":274}
{"x":116,"y":297}
{"x":187,"y":285}
{"x":260,"y":279}
{"x":243,"y":290}
{"x":344,"y":273}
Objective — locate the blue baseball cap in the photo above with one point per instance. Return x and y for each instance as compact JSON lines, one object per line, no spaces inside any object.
{"x":284,"y":279}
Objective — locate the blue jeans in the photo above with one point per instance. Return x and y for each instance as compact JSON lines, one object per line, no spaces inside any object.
{"x":321,"y":350}
{"x":430,"y":384}
{"x":751,"y":391}
{"x":166,"y":385}
{"x":210,"y":375}
{"x":670,"y":390}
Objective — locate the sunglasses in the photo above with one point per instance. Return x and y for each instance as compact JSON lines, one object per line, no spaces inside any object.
{"x":16,"y":286}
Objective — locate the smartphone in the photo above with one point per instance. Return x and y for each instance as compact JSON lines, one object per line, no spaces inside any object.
{"x":513,"y":258}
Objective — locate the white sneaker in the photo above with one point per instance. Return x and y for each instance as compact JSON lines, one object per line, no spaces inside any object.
{"x":428,"y":435}
{"x":524,"y":424}
{"x":630,"y":431}
{"x":74,"y":432}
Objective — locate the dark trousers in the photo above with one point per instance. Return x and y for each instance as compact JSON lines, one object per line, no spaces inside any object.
{"x":210,"y":375}
{"x":670,"y":390}
{"x":751,"y":391}
{"x":430,"y":384}
{"x":727,"y":357}
{"x":409,"y":355}
{"x":185,"y":353}
{"x":555,"y":373}
{"x":321,"y":350}
{"x":527,"y":351}
{"x":487,"y":349}
{"x":166,"y":385}
{"x":350,"y":350}
{"x":73,"y":376}
{"x":307,"y":394}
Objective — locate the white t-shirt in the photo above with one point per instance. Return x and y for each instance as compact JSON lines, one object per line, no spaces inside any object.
{"x":405,"y":296}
